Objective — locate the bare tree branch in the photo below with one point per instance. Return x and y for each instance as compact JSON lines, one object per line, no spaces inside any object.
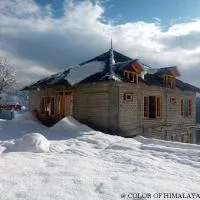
{"x":7,"y":76}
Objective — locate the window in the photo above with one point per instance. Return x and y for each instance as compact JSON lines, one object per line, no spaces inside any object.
{"x":132,"y":76}
{"x":152,"y":107}
{"x":47,"y":105}
{"x":128,"y":97}
{"x":126,"y":74}
{"x":169,"y":81}
{"x":172,"y":100}
{"x":186,"y":107}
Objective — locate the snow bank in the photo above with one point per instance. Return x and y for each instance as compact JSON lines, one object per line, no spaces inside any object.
{"x":69,"y":123}
{"x":92,"y":165}
{"x":68,"y":127}
{"x":24,"y":117}
{"x":32,"y":142}
{"x":20,"y":126}
{"x":169,"y":144}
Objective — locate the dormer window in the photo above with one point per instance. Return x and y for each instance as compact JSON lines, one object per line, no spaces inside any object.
{"x":132,"y":76}
{"x":169,"y":81}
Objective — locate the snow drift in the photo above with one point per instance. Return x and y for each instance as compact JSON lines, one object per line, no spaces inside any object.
{"x":86,"y":164}
{"x":67,"y":128}
{"x":32,"y":142}
{"x":20,"y":126}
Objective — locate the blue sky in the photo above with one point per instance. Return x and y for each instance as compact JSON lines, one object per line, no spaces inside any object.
{"x":122,"y":11}
{"x":51,"y":35}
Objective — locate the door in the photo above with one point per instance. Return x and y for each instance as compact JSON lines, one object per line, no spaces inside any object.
{"x":65,"y":103}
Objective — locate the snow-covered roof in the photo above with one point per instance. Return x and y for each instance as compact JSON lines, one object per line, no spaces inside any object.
{"x":105,"y":67}
{"x":100,"y":68}
{"x":78,"y":73}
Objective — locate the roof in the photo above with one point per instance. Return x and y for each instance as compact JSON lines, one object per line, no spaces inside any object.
{"x":168,"y":71}
{"x":109,"y":66}
{"x":106,"y":56}
{"x":186,"y":86}
{"x":62,"y":77}
{"x":153,"y":79}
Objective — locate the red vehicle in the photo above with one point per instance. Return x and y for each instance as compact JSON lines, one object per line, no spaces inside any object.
{"x":16,"y":107}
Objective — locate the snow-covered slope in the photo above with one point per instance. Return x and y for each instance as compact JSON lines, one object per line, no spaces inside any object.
{"x":88,"y":165}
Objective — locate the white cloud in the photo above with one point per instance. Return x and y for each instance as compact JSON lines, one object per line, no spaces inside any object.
{"x":32,"y":37}
{"x":27,"y":70}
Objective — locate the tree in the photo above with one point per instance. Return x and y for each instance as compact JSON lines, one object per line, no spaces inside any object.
{"x":7,"y":76}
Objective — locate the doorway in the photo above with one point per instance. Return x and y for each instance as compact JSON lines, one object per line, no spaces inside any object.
{"x":65,"y":103}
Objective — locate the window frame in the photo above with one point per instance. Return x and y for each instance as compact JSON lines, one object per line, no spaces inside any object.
{"x":158,"y":108}
{"x":129,"y":74}
{"x":127,"y":99}
{"x":170,"y":81}
{"x":172,"y":100}
{"x":44,"y":105}
{"x":186,"y":107}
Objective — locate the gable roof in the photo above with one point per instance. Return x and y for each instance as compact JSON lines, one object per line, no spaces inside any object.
{"x":100,"y":68}
{"x":168,"y":71}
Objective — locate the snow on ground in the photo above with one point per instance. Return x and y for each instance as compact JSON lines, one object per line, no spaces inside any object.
{"x":83,"y":164}
{"x":20,"y":126}
{"x":31,"y":142}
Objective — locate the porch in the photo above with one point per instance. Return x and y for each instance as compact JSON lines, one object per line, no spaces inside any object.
{"x":53,"y":106}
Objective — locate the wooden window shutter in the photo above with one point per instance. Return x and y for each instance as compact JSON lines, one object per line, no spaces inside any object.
{"x":146,"y":107}
{"x":190,"y":107}
{"x":182,"y":107}
{"x":158,"y":107}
